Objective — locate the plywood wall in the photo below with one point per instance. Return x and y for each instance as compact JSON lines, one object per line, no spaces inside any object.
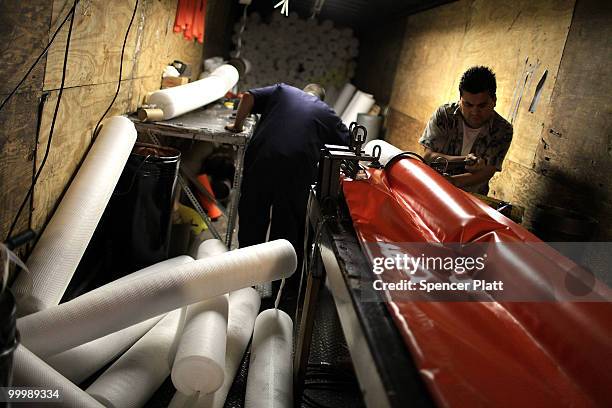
{"x":91,"y":81}
{"x":573,"y":157}
{"x":24,"y":30}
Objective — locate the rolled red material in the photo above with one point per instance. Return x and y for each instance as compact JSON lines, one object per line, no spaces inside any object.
{"x":485,"y":353}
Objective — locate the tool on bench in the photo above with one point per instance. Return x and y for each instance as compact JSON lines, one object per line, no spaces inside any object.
{"x":445,"y":166}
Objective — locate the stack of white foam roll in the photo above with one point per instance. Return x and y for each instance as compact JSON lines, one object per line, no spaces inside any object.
{"x":181,"y":99}
{"x":148,"y":309}
{"x":63,"y":242}
{"x":270,"y":380}
{"x":361,"y":102}
{"x":296,"y":51}
{"x":78,"y":363}
{"x":121,"y":304}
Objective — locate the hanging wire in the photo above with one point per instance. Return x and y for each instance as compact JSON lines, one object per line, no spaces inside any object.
{"x":316,"y":8}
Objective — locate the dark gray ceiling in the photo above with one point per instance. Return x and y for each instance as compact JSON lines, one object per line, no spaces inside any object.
{"x":358,"y":14}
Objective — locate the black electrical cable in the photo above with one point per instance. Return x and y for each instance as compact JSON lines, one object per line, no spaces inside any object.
{"x":44,"y":51}
{"x":95,"y":133}
{"x":48,"y":148}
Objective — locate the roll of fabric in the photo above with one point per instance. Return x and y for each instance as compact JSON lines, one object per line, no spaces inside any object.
{"x":243,"y":308}
{"x":270,"y":380}
{"x":344,"y":98}
{"x":63,"y":242}
{"x":135,"y":376}
{"x":30,"y":371}
{"x":121,"y":304}
{"x":387,"y":150}
{"x":361,"y":103}
{"x":200,"y":358}
{"x":372,"y":123}
{"x":181,"y":99}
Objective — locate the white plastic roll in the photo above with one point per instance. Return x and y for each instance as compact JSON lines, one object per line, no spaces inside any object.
{"x":270,"y":380}
{"x":200,"y":358}
{"x":211,"y":247}
{"x":31,"y":371}
{"x":118,"y":305}
{"x":387,"y":150}
{"x":181,"y":99}
{"x":63,"y":242}
{"x":372,"y":123}
{"x":344,"y":98}
{"x":79,"y":363}
{"x":361,"y":103}
{"x":243,"y":308}
{"x":201,"y":352}
{"x":135,"y":376}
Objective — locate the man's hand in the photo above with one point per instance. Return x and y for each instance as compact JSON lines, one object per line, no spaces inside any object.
{"x":233,"y":128}
{"x":476,"y":165}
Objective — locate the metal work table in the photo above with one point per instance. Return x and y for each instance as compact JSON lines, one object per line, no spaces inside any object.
{"x":207,"y":124}
{"x":387,"y":374}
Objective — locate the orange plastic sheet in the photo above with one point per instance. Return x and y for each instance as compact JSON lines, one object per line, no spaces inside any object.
{"x":471,"y":354}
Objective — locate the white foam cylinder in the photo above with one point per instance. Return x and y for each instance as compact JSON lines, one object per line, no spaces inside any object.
{"x":344,"y":98}
{"x":372,"y":123}
{"x":211,"y":247}
{"x":30,"y":371}
{"x":135,"y":376}
{"x":181,"y":99}
{"x":117,"y":305}
{"x":200,"y":358}
{"x":387,"y":150}
{"x":361,"y":103}
{"x":270,"y":380}
{"x":79,"y":363}
{"x":243,"y":308}
{"x":63,"y":242}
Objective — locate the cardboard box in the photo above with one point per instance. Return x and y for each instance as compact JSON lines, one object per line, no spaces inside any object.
{"x":169,"y":82}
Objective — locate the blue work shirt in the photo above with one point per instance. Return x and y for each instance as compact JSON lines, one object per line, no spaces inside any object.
{"x":293,"y":128}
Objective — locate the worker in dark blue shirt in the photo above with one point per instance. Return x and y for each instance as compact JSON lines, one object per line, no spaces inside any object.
{"x":281,"y":159}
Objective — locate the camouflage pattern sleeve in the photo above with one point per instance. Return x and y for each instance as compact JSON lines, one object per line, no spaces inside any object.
{"x":435,"y":134}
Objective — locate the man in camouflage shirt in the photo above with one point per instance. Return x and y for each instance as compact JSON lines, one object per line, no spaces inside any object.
{"x":470,"y":129}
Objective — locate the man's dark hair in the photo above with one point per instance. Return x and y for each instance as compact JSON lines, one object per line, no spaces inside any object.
{"x":316,"y":90}
{"x":478,"y":79}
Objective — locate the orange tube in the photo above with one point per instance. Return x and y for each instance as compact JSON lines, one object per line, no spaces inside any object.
{"x":211,"y":209}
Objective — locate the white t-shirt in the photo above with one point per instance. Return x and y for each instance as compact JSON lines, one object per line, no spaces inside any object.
{"x":469,"y":137}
